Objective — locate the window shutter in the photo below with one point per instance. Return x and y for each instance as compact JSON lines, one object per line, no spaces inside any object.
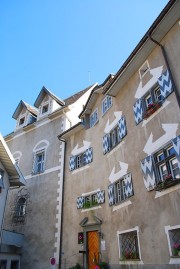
{"x":80,"y":202}
{"x":148,"y":172}
{"x":72,"y":163}
{"x":34,"y":165}
{"x":111,"y":194}
{"x":138,"y":111}
{"x":176,"y":145}
{"x":101,"y":197}
{"x":89,"y":155}
{"x":105,"y":143}
{"x":122,"y":127}
{"x":165,"y":84}
{"x":128,"y":187}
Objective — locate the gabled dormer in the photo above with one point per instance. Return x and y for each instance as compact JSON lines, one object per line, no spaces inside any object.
{"x":24,"y":115}
{"x":47,"y":102}
{"x":91,"y":114}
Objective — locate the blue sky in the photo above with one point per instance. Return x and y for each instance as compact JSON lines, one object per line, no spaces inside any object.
{"x":65,"y":45}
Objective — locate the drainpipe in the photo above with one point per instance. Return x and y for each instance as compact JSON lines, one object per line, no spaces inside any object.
{"x":62,"y":204}
{"x":168,"y":66}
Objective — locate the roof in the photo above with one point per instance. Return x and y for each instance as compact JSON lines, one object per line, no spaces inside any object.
{"x":42,"y":94}
{"x":22,"y":105}
{"x":162,"y":24}
{"x":70,"y":100}
{"x":15,"y":176}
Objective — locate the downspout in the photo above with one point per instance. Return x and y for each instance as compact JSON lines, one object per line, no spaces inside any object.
{"x":168,"y":66}
{"x":62,"y":204}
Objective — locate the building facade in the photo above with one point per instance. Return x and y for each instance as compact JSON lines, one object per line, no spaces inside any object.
{"x":122,"y":161}
{"x":40,"y":155}
{"x":10,"y":177}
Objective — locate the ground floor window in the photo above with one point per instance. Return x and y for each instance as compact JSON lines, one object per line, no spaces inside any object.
{"x":129,"y":245}
{"x":14,"y":264}
{"x":173,"y":236}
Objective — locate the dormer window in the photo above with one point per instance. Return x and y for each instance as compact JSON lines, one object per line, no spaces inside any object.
{"x":144,"y":69}
{"x":45,"y":108}
{"x":21,"y":121}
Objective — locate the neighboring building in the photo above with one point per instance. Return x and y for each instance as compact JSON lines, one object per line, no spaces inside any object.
{"x":122,"y":167}
{"x":10,"y":177}
{"x":40,"y":155}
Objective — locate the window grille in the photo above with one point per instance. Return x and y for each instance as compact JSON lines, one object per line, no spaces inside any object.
{"x":129,"y":249}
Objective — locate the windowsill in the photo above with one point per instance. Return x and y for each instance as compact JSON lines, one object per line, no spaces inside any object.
{"x":131,"y":262}
{"x":80,"y":169}
{"x":114,"y":149}
{"x":124,"y":204}
{"x":167,"y":191}
{"x":91,"y":208}
{"x":174,"y":260}
{"x":145,"y":121}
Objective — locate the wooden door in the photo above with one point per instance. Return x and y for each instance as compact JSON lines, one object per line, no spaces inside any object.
{"x":93,"y":248}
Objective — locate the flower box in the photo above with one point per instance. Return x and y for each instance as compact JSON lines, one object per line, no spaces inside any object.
{"x":168,"y":182}
{"x":151,"y":109}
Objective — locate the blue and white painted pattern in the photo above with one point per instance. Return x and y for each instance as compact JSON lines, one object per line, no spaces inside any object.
{"x":138,"y":111}
{"x":148,"y":172}
{"x":176,"y":145}
{"x":101,"y":197}
{"x":89,"y":155}
{"x":80,"y":202}
{"x":122,"y":127}
{"x":72,"y":163}
{"x":111,"y":194}
{"x":105,"y":143}
{"x":128,"y":187}
{"x":165,"y":84}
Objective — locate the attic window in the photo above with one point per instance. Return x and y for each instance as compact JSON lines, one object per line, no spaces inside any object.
{"x":45,"y":109}
{"x":21,"y":121}
{"x":144,"y":69}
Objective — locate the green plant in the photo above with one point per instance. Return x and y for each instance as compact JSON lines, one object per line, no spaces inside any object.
{"x":103,"y":265}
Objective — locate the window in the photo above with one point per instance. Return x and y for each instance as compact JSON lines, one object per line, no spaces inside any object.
{"x":167,"y":164}
{"x":173,"y":237}
{"x":21,"y":121}
{"x":120,"y":190}
{"x":94,"y":118}
{"x":144,"y":69}
{"x":3,"y":264}
{"x":115,"y":136}
{"x":153,"y":99}
{"x":91,"y":200}
{"x":45,"y":109}
{"x":162,"y":169}
{"x":39,"y":162}
{"x":20,"y":210}
{"x":80,"y":160}
{"x":106,"y":104}
{"x":129,"y":245}
{"x":21,"y":207}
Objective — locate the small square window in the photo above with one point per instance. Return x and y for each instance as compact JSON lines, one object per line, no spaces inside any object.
{"x":106,"y":104}
{"x":144,"y":69}
{"x":94,"y":118}
{"x":45,"y":109}
{"x":21,"y":121}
